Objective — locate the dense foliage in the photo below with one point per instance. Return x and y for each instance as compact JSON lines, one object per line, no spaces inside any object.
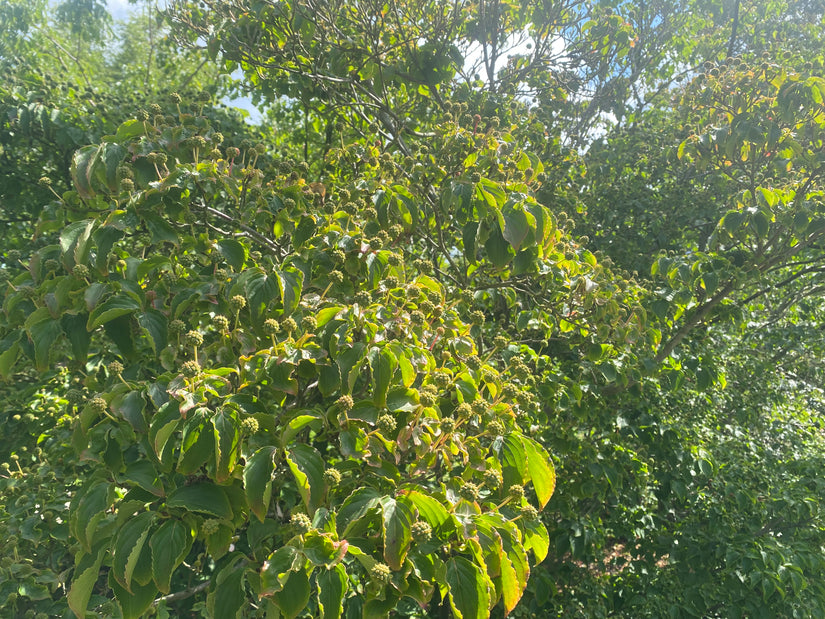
{"x":331,"y":366}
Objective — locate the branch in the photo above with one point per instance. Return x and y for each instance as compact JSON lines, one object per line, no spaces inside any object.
{"x":697,"y":317}
{"x":182,"y":595}
{"x":250,"y":232}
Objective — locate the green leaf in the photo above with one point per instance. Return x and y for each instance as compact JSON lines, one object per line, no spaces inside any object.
{"x":277,"y":567}
{"x":294,"y":597}
{"x":355,"y":507}
{"x":541,"y":470}
{"x":135,"y":602}
{"x":257,"y":480}
{"x":7,"y":360}
{"x":517,"y":226}
{"x":307,"y":467}
{"x":383,"y":364}
{"x":74,"y":327}
{"x":469,"y":234}
{"x":349,"y":362}
{"x":86,"y":573}
{"x":105,"y":166}
{"x":205,"y":498}
{"x":397,"y":522}
{"x":290,"y":282}
{"x":233,"y":252}
{"x":402,"y":399}
{"x":431,"y":510}
{"x":129,"y":546}
{"x":90,"y":509}
{"x":118,"y":305}
{"x":131,"y":406}
{"x":536,"y":539}
{"x":155,"y":324}
{"x":170,"y":544}
{"x":161,"y":230}
{"x":513,"y":460}
{"x":469,"y":591}
{"x":227,"y":442}
{"x":322,"y":550}
{"x":82,"y":169}
{"x":332,"y":586}
{"x":296,"y":424}
{"x":228,"y":597}
{"x":498,"y":249}
{"x":43,"y":334}
{"x":130,"y":129}
{"x":197,"y":442}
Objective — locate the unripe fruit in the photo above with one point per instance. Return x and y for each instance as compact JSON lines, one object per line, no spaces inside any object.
{"x":301,"y":522}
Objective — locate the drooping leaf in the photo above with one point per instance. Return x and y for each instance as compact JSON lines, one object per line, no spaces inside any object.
{"x":228,"y":597}
{"x":257,"y":480}
{"x":204,"y":498}
{"x":170,"y":544}
{"x":227,"y":442}
{"x":332,"y":587}
{"x":294,"y":597}
{"x":383,"y":364}
{"x":86,"y":574}
{"x":129,"y":546}
{"x":541,"y":470}
{"x":469,"y":590}
{"x":397,"y":522}
{"x":118,"y":305}
{"x":277,"y":568}
{"x":307,"y":467}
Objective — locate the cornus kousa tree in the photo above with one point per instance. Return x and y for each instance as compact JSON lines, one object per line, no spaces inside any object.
{"x":282,"y":405}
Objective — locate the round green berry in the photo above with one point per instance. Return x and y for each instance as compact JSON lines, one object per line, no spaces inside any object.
{"x":220,"y":322}
{"x":516,"y":491}
{"x":421,"y":532}
{"x":495,"y":427}
{"x":210,"y":527}
{"x":447,"y":425}
{"x":336,"y":277}
{"x":193,"y":338}
{"x":74,"y":396}
{"x":80,"y":271}
{"x":381,"y":573}
{"x":309,"y":323}
{"x":479,"y":407}
{"x":363,"y":298}
{"x":469,"y":491}
{"x":115,"y":368}
{"x":493,"y":478}
{"x":97,"y":404}
{"x":250,"y":425}
{"x":477,"y":317}
{"x":345,"y":402}
{"x":288,"y":325}
{"x":271,"y":326}
{"x":301,"y":522}
{"x":190,"y":369}
{"x":176,"y":326}
{"x":528,"y":512}
{"x":500,"y":341}
{"x":386,"y":423}
{"x":237,"y":303}
{"x":332,"y":477}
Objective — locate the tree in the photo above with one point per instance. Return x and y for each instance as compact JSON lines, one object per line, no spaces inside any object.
{"x":334,"y":386}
